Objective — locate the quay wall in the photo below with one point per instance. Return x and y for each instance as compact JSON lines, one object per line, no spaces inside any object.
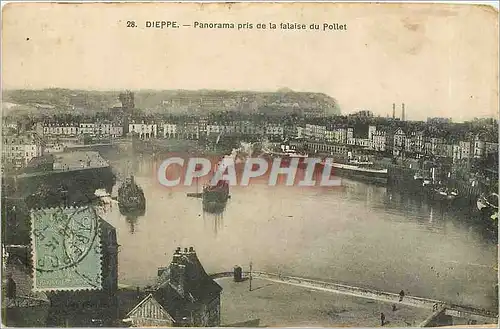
{"x":436,"y":319}
{"x":80,"y":185}
{"x":431,"y":304}
{"x":401,"y":177}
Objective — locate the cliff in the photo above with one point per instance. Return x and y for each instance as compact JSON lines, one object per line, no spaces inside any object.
{"x":55,"y":100}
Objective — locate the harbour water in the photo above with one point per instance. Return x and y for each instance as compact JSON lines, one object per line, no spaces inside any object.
{"x":359,"y":234}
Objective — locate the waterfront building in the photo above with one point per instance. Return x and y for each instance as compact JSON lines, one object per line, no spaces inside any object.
{"x":214,"y":129}
{"x":399,"y":144}
{"x":9,"y":125}
{"x":378,"y":142}
{"x":249,"y":128}
{"x":202,"y":127}
{"x":409,"y":146}
{"x":300,"y":132}
{"x":116,"y":131}
{"x":362,"y":142}
{"x":434,"y":146}
{"x":318,"y":147}
{"x":185,"y":295}
{"x":417,"y":138}
{"x":60,"y":129}
{"x":169,"y":130}
{"x":315,"y":132}
{"x":350,"y":136}
{"x":371,"y":131}
{"x":465,"y":149}
{"x":143,"y":130}
{"x":188,"y":130}
{"x":87,"y":128}
{"x":456,"y":153}
{"x":103,"y":129}
{"x":447,"y":151}
{"x":18,"y":150}
{"x":490,"y":147}
{"x":479,"y":146}
{"x":330,"y":136}
{"x":340,"y":135}
{"x":274,"y":130}
{"x":228,"y":129}
{"x":290,"y":131}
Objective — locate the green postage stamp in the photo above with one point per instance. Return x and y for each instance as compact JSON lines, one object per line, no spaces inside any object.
{"x":66,"y":249}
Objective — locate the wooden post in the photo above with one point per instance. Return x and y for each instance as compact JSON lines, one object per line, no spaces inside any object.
{"x":250,"y":279}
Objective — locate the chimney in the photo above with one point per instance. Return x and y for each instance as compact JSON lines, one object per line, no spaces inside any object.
{"x":394,"y":110}
{"x":181,"y":278}
{"x":11,"y":287}
{"x":191,"y":254}
{"x":176,"y":259}
{"x":177,"y":272}
{"x":403,"y":112}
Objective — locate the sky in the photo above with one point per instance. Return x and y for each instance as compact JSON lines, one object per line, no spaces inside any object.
{"x":440,"y":60}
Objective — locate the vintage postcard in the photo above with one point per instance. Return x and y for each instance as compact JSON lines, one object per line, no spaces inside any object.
{"x":249,"y":165}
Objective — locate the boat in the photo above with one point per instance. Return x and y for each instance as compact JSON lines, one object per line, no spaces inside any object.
{"x":419,"y":176}
{"x":130,"y":196}
{"x":104,"y":196}
{"x":218,"y":193}
{"x":490,"y":201}
{"x":215,"y":197}
{"x":287,"y":155}
{"x":488,"y":206}
{"x":359,"y":171}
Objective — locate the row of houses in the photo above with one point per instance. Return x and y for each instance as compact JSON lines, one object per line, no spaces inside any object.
{"x":85,"y":128}
{"x":399,"y":142}
{"x":190,"y":130}
{"x":396,"y":142}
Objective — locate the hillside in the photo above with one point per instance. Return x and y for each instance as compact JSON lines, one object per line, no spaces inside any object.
{"x":284,"y":101}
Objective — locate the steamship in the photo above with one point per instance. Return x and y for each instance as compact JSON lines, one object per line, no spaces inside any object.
{"x":215,"y":196}
{"x":287,"y":155}
{"x":131,"y":197}
{"x":358,"y":170}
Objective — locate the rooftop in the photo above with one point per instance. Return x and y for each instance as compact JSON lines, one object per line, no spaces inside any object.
{"x":78,"y":160}
{"x":182,"y":285}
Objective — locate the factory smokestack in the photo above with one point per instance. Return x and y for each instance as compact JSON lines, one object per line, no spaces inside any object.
{"x":394,"y":110}
{"x":403,"y":112}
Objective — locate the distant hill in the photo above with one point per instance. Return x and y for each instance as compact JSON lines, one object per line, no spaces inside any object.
{"x":173,"y":101}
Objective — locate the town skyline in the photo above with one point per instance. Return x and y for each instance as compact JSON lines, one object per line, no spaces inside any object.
{"x":284,"y":90}
{"x":429,"y":60}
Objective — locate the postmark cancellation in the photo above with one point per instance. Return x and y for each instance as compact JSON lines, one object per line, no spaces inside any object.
{"x":66,"y":249}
